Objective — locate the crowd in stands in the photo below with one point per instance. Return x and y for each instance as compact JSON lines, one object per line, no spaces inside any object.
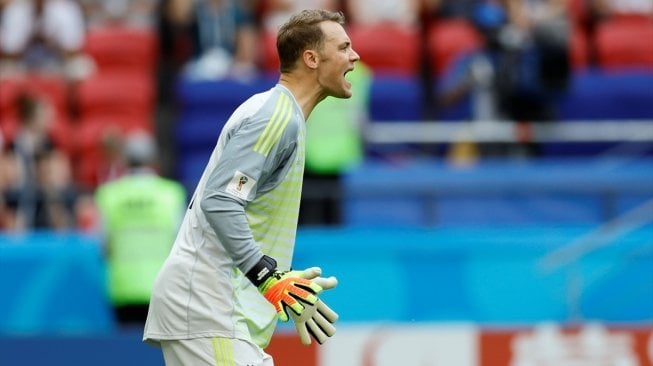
{"x":77,"y":76}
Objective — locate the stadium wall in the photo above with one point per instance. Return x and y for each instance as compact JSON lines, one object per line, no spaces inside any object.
{"x":467,"y":295}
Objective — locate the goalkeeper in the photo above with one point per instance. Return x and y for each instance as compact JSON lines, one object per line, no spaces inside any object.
{"x":226,"y":281}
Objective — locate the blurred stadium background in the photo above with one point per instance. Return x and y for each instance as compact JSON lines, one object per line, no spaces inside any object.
{"x":463,"y":241}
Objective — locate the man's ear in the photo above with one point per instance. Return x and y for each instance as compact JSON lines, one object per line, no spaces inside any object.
{"x":311,"y":59}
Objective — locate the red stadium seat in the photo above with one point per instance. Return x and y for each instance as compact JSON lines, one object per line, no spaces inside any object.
{"x":625,"y":42}
{"x":120,"y":48}
{"x":129,"y":96}
{"x":387,"y":48}
{"x":448,"y":39}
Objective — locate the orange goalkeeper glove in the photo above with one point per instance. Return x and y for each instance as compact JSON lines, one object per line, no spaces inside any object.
{"x":283,"y":289}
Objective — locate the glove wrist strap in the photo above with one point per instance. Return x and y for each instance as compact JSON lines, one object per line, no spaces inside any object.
{"x":262,"y":270}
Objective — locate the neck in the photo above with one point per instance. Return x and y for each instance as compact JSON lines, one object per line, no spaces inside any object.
{"x":307,"y":93}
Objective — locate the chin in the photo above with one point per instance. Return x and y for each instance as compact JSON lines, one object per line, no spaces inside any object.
{"x":343,"y":94}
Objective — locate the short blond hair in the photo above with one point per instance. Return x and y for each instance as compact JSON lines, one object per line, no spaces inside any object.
{"x":302,"y":32}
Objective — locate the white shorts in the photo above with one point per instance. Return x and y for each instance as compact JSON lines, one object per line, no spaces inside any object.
{"x":213,"y":352}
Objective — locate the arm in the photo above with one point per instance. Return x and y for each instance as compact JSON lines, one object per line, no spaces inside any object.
{"x":238,"y":177}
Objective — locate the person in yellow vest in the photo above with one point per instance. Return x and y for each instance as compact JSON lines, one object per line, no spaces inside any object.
{"x":140,"y":214}
{"x":334,"y":146}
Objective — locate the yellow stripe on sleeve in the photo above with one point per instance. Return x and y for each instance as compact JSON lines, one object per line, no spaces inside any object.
{"x":279,"y":130}
{"x":268,"y":127}
{"x":272,"y":132}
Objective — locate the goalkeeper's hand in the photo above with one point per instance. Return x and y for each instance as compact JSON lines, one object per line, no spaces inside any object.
{"x":317,"y":319}
{"x":283,"y":289}
{"x":297,"y":290}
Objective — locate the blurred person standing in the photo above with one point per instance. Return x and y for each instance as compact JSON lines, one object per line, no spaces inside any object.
{"x":223,"y":37}
{"x":516,"y":75}
{"x":536,"y":44}
{"x":49,"y":202}
{"x":221,"y":290}
{"x":140,"y":213}
{"x":43,"y":35}
{"x":473,"y":74}
{"x":39,"y":190}
{"x":522,"y":66}
{"x":57,"y":195}
{"x":109,"y":163}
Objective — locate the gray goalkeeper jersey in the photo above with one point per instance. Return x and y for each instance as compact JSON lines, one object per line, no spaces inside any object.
{"x":246,"y":204}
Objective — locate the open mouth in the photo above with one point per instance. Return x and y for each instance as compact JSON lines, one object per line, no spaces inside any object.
{"x":347,"y":72}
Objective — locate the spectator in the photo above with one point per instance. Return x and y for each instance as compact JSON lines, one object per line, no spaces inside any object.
{"x":39,"y":191}
{"x":514,"y":76}
{"x":56,"y":194}
{"x":19,"y":150}
{"x":43,"y":35}
{"x":49,"y":202}
{"x":140,"y":214}
{"x":519,"y":71}
{"x":86,"y":212}
{"x":474,"y":74}
{"x":224,"y":38}
{"x":111,"y":163}
{"x":177,"y":31}
{"x":175,"y":38}
{"x":537,"y":40}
